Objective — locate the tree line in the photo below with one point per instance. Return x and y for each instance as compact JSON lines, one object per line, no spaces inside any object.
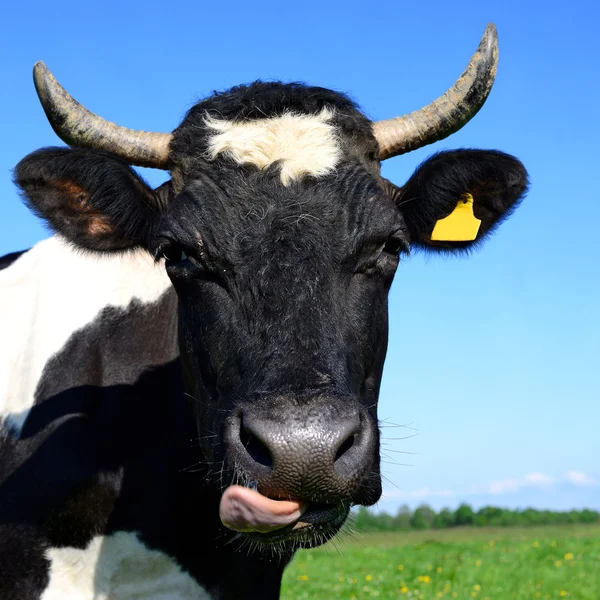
{"x":424,"y":517}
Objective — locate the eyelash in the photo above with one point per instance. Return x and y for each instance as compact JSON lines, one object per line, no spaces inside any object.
{"x":382,"y":255}
{"x":173,"y":254}
{"x":396,"y":246}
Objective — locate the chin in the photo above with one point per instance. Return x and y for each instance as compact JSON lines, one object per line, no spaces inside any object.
{"x":319,"y":524}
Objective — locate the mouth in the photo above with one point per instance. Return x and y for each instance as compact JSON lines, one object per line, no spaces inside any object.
{"x":268,"y":522}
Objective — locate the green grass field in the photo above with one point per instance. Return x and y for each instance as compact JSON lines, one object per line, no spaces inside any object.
{"x":487,"y":564}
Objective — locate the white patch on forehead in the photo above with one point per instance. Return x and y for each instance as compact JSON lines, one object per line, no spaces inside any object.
{"x":49,"y":293}
{"x":305,"y":144}
{"x":117,"y":567}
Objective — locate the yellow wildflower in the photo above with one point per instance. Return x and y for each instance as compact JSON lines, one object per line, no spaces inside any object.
{"x":569,"y":556}
{"x":424,"y":578}
{"x":558,"y":563}
{"x":369,"y":577}
{"x":563,"y":593}
{"x":477,"y":563}
{"x":403,"y":589}
{"x":302,"y":578}
{"x":400,"y":567}
{"x":477,"y":587}
{"x":536,"y":544}
{"x":439,"y":570}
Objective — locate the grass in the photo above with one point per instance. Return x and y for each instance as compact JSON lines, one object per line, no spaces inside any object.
{"x":487,"y":564}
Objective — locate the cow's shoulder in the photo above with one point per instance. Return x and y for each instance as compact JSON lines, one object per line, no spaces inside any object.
{"x":51,"y":293}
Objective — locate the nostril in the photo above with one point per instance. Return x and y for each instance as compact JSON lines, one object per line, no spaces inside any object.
{"x":344,"y":448}
{"x":255,"y":448}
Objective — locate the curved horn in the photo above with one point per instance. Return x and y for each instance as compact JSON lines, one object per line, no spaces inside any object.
{"x":449,"y":112}
{"x":77,"y":126}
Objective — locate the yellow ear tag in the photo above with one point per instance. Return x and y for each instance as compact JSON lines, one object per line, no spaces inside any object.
{"x":461,"y":225}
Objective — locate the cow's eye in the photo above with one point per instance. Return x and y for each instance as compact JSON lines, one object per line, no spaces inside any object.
{"x":173,"y":254}
{"x":395,"y":246}
{"x":383,"y":256}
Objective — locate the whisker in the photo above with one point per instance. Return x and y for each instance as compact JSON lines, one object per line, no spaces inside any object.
{"x":401,"y":451}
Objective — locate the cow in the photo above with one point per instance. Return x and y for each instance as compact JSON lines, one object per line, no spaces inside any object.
{"x":189,"y":374}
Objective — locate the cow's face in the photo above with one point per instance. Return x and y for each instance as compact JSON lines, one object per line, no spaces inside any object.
{"x":281,"y":240}
{"x":283,"y":327}
{"x":282,"y":244}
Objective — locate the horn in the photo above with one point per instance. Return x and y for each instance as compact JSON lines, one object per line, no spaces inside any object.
{"x":449,"y":112}
{"x":77,"y":126}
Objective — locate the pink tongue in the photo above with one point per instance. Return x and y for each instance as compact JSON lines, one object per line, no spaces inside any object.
{"x":243,"y":509}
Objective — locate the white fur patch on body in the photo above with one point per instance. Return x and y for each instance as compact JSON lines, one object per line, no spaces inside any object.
{"x":305,"y":144}
{"x":118,"y":567}
{"x":49,"y":293}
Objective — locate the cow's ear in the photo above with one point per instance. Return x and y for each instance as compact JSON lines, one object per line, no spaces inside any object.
{"x":93,"y":199}
{"x":454,"y":199}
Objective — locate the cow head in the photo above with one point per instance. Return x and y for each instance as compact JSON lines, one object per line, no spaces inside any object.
{"x":281,"y":239}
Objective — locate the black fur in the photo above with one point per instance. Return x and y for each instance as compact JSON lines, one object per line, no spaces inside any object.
{"x":23,"y":566}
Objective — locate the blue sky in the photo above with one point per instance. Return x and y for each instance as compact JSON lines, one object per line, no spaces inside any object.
{"x":493,"y":359}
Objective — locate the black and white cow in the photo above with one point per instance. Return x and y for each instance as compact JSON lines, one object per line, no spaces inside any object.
{"x":189,"y":375}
